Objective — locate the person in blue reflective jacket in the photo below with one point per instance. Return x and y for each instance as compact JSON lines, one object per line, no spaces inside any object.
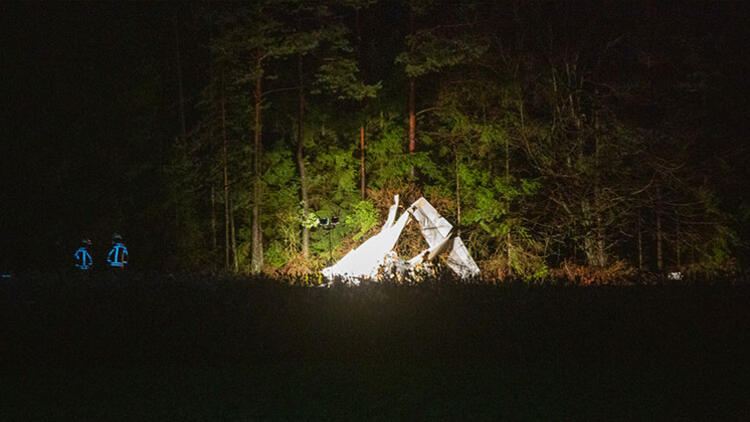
{"x":83,"y":257}
{"x":118,"y":255}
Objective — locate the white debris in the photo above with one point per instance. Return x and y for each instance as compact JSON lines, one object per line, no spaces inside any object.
{"x":376,"y":253}
{"x":437,"y":230}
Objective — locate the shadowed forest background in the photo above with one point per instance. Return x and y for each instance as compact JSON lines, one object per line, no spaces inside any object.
{"x":571,"y":139}
{"x":569,"y":142}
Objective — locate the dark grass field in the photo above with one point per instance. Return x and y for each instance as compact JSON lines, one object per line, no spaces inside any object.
{"x":210,"y":348}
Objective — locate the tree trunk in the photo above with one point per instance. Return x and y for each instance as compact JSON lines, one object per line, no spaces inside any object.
{"x":659,"y":235}
{"x":362,"y":160}
{"x":591,"y":237}
{"x":600,"y":240}
{"x":412,"y":112}
{"x":640,"y":243}
{"x":226,"y":172}
{"x":235,"y":257}
{"x":214,"y":244}
{"x":508,"y":245}
{"x":301,"y":161}
{"x":458,"y":198}
{"x":358,"y":26}
{"x":601,"y":247}
{"x":180,"y":91}
{"x":677,"y":243}
{"x":412,"y":118}
{"x":257,"y":251}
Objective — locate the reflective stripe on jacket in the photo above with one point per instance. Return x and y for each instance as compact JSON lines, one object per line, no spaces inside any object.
{"x":118,"y":255}
{"x":83,"y":258}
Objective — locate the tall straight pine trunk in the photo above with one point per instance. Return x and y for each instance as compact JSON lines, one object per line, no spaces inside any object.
{"x":257,"y":251}
{"x":659,"y":233}
{"x":226,"y":172}
{"x":214,"y":244}
{"x":412,"y":112}
{"x":640,"y":243}
{"x":412,"y":118}
{"x":235,"y":256}
{"x":301,"y":160}
{"x":180,"y":91}
{"x":362,"y":160}
{"x":362,"y":125}
{"x":508,"y":240}
{"x":659,"y":243}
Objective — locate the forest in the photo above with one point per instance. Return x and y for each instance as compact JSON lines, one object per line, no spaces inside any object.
{"x":585,"y":151}
{"x":584,"y":140}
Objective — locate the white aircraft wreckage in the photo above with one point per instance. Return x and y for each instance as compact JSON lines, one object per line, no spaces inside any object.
{"x":376,"y":256}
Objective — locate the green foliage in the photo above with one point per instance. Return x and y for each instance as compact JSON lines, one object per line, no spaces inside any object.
{"x":361,"y":219}
{"x":308,"y":220}
{"x":276,"y":255}
{"x":491,"y":198}
{"x":428,"y":53}
{"x":435,"y":49}
{"x":336,"y":175}
{"x":542,"y":152}
{"x":280,"y":220}
{"x":388,"y":162}
{"x":717,"y":257}
{"x":548,"y":139}
{"x":339,"y":76}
